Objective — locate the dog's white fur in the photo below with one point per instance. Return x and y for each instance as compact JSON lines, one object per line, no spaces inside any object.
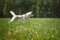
{"x":25,"y":17}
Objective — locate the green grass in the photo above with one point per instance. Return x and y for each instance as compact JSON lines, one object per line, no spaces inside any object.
{"x":36,"y":29}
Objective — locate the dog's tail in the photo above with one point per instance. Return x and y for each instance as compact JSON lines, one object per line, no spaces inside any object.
{"x":14,"y":16}
{"x":12,"y":13}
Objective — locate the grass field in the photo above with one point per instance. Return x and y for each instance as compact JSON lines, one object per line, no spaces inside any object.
{"x":36,"y":29}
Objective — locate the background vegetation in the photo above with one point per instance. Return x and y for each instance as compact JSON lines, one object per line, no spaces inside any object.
{"x":44,"y":26}
{"x":40,"y":8}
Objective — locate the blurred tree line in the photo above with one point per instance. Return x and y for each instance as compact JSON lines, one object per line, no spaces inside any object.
{"x":40,"y":8}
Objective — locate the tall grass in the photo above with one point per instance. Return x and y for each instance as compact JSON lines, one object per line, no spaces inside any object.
{"x":35,"y":29}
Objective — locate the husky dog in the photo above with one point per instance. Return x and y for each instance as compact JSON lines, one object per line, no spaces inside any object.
{"x":25,"y":17}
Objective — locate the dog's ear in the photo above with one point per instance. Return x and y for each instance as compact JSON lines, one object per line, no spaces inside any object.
{"x":29,"y":13}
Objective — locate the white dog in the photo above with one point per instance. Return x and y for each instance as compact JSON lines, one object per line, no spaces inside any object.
{"x":25,"y":17}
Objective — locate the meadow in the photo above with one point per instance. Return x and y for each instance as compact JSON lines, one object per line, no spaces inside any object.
{"x":35,"y":29}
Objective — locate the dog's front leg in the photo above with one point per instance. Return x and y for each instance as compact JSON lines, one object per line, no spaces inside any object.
{"x":27,"y":19}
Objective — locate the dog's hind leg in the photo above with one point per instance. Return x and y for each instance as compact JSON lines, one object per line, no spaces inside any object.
{"x":13,"y":18}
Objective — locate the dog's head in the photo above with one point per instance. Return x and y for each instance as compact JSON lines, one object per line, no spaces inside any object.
{"x":29,"y":14}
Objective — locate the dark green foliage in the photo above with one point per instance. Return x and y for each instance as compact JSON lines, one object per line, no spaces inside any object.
{"x":40,"y":8}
